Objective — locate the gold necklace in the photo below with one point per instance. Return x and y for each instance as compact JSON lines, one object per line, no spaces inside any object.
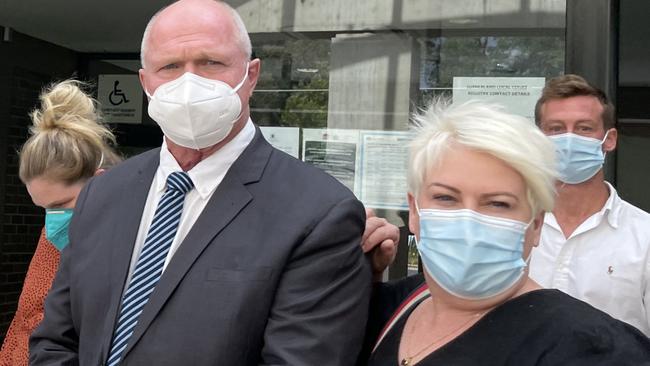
{"x":406,"y":361}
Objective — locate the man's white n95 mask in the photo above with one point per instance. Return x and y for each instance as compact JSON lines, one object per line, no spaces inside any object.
{"x":196,"y":112}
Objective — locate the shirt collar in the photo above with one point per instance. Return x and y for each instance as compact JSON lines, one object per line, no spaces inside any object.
{"x":217,"y":164}
{"x":610,"y":211}
{"x":612,"y":208}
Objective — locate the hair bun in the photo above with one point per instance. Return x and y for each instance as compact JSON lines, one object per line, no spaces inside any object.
{"x":63,"y":106}
{"x":67,"y":142}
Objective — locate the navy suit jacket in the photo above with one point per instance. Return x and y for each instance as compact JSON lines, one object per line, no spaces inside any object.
{"x":271,"y":273}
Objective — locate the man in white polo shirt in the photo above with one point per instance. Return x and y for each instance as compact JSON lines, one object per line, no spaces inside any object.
{"x":594,"y":245}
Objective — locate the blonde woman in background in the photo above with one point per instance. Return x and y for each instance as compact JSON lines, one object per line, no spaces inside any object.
{"x":68,"y":145}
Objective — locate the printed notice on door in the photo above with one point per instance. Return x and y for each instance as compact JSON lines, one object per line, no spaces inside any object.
{"x":384,"y":157}
{"x":286,"y":139}
{"x":517,"y":95}
{"x":334,"y":151}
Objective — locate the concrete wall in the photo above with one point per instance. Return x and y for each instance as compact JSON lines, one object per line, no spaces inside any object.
{"x":370,"y":77}
{"x":263,"y":16}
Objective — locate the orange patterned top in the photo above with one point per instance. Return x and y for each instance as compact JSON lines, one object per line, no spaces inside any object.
{"x":40,"y":275}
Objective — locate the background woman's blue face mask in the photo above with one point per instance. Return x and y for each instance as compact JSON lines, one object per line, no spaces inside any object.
{"x":57,"y":222}
{"x":579,"y":158}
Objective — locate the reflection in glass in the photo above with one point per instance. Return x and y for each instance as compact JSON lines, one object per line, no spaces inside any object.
{"x":413,"y":256}
{"x":442,"y":58}
{"x":293,"y":86}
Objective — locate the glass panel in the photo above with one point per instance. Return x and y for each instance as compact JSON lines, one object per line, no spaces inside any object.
{"x":293,"y":86}
{"x":443,"y":58}
{"x":340,"y":79}
{"x":633,"y":150}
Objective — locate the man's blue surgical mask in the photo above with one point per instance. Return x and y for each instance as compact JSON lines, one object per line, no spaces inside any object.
{"x":471,"y":255}
{"x":579,"y":158}
{"x":57,"y":222}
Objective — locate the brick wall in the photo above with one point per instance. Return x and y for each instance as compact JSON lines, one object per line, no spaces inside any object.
{"x":21,"y":221}
{"x":26,"y":66}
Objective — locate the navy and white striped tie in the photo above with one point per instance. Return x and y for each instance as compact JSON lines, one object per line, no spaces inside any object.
{"x":149,"y":266}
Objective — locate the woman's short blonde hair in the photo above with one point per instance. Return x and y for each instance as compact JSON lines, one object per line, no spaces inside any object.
{"x":67,"y":142}
{"x":487,"y":128}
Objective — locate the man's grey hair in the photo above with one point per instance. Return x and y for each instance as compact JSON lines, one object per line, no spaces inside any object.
{"x":242,"y":34}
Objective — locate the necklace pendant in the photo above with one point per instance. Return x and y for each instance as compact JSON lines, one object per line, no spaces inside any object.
{"x":406,"y":361}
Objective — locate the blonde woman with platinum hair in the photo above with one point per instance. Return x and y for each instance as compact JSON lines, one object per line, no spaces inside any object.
{"x":480,"y":180}
{"x":488,"y":128}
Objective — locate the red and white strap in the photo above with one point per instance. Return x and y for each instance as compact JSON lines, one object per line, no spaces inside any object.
{"x":414,"y":298}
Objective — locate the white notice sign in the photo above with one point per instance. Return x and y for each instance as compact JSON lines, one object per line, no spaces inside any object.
{"x":518,"y":95}
{"x":384,"y":157}
{"x":286,"y":139}
{"x":334,"y":151}
{"x":120,"y":98}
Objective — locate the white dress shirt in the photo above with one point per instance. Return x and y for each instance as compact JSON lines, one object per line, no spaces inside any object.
{"x":206,"y":176}
{"x":604,"y":262}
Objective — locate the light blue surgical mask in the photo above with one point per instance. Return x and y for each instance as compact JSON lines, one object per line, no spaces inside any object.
{"x":57,"y":222}
{"x":471,"y":255}
{"x":579,"y":158}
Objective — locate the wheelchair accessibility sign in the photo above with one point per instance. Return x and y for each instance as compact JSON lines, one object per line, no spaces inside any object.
{"x":120,"y":98}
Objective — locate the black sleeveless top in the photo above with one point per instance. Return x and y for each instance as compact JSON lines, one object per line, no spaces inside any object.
{"x":542,"y":327}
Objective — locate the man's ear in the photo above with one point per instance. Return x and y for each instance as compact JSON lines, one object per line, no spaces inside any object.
{"x":141,"y":76}
{"x":254,"y":67}
{"x":610,"y":140}
{"x":99,"y":171}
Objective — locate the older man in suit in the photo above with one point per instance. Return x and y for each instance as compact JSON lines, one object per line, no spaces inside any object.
{"x":215,"y":249}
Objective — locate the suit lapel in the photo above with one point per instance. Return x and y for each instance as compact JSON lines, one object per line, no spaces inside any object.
{"x":225,"y":204}
{"x":131,"y":206}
